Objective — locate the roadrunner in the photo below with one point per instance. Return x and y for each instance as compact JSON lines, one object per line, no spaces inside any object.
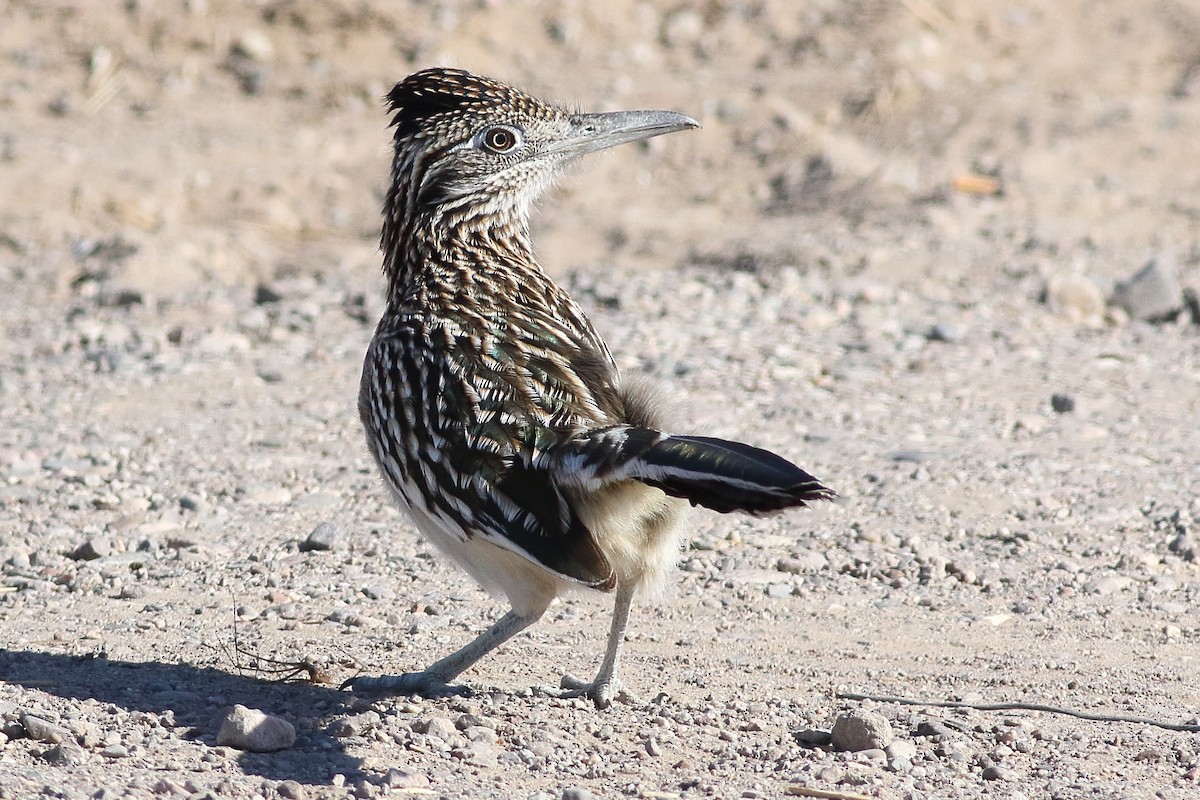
{"x":492,"y":406}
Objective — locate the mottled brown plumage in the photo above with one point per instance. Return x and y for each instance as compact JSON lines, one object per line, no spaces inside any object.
{"x":493,"y":408}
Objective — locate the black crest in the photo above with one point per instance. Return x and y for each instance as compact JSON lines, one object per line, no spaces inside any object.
{"x":431,"y":92}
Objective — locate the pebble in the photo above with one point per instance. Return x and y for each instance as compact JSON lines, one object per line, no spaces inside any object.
{"x":115,"y":751}
{"x":322,"y":537}
{"x":802,"y":561}
{"x":1152,"y":294}
{"x":814,"y":737}
{"x":293,"y":790}
{"x":778,"y":591}
{"x":265,"y":294}
{"x":901,"y":749}
{"x":861,"y":730}
{"x":467,"y":721}
{"x":441,"y":727}
{"x":577,"y":793}
{"x":168,"y":786}
{"x":255,"y":45}
{"x":354,"y":726}
{"x":93,"y":548}
{"x":1075,"y":297}
{"x":189,"y":502}
{"x":996,"y":773}
{"x":1184,"y":546}
{"x":250,"y":729}
{"x":65,"y":754}
{"x":942,"y":332}
{"x":932,"y":727}
{"x":403,"y":779}
{"x":1062,"y":403}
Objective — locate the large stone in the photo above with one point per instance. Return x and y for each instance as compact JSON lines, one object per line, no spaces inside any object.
{"x":250,"y":729}
{"x":861,"y":730}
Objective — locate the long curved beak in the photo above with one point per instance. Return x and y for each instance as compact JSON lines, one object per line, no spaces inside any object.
{"x":592,"y":132}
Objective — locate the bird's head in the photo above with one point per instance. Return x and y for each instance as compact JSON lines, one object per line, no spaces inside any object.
{"x":472,"y":145}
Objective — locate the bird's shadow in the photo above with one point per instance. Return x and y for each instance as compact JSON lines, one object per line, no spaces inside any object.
{"x":196,"y":697}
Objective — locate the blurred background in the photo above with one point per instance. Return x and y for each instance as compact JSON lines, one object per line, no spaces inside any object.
{"x":207,"y":140}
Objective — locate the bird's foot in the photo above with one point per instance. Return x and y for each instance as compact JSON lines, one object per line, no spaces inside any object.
{"x":425,"y":684}
{"x":601,"y":692}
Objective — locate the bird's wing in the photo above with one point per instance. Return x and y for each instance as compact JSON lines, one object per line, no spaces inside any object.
{"x":472,"y":410}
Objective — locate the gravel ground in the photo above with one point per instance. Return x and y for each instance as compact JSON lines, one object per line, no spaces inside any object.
{"x":903,"y":251}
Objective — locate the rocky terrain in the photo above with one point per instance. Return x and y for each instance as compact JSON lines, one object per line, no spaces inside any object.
{"x":943,"y":254}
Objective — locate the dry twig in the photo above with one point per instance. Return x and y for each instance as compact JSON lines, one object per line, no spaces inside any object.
{"x":1186,"y":727}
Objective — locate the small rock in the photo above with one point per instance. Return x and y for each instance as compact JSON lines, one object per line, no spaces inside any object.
{"x":190,"y":502}
{"x":931,"y":727}
{"x":265,"y":294}
{"x":254,"y":45}
{"x":995,"y":773}
{"x":832,"y":774}
{"x":93,"y":548}
{"x":467,"y":721}
{"x":1152,"y":294}
{"x":322,"y":537}
{"x":942,"y":332}
{"x":377,"y":591}
{"x":861,"y":730}
{"x":43,"y":730}
{"x":482,"y":753}
{"x":353,"y":726}
{"x":441,"y":727}
{"x":1075,"y":297}
{"x":577,"y":793}
{"x":403,"y":779}
{"x":115,"y":751}
{"x":901,"y":749}
{"x":778,"y":591}
{"x":1062,"y":403}
{"x":65,"y":754}
{"x":293,"y":790}
{"x":814,"y":737}
{"x":168,"y":786}
{"x":1184,"y":546}
{"x":802,"y":561}
{"x":250,"y":729}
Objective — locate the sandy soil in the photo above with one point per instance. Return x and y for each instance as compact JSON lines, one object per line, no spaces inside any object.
{"x":887,"y":249}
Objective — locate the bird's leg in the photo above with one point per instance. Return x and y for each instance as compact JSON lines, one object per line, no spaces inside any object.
{"x":434,"y":680}
{"x":606,"y":687}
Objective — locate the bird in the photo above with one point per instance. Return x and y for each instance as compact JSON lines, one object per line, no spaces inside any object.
{"x":494,"y":410}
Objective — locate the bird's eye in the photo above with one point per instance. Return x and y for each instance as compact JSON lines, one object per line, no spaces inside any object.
{"x":500,"y":139}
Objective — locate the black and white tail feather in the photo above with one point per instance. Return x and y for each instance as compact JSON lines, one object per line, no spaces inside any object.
{"x":718,"y":474}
